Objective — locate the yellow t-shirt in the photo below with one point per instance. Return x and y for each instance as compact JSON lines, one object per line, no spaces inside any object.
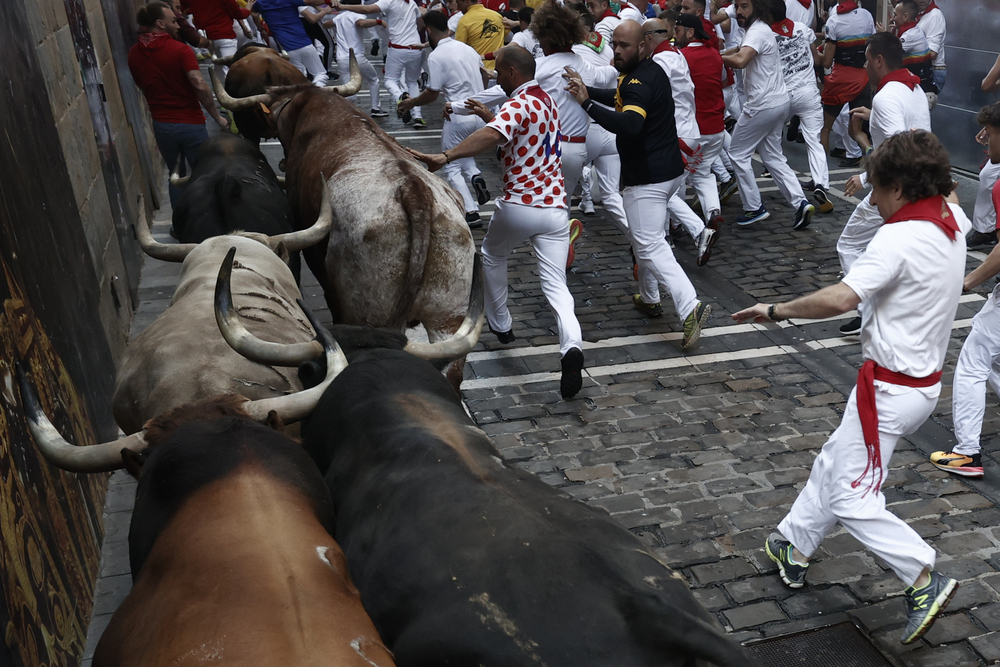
{"x":482,"y":29}
{"x":534,"y":4}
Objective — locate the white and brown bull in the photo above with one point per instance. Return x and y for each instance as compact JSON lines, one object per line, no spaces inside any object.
{"x":400,"y":251}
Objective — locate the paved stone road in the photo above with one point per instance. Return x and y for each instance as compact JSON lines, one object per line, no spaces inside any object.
{"x":702,"y":454}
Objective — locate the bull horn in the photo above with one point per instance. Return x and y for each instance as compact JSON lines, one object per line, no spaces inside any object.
{"x":60,"y":453}
{"x":281,"y":180}
{"x":353,"y":85}
{"x":235,"y":103}
{"x":298,"y":406}
{"x":223,"y":61}
{"x":284,"y":54}
{"x":462,"y":342}
{"x":167,"y":252}
{"x":295,"y":241}
{"x":244,"y":342}
{"x":179,"y":181}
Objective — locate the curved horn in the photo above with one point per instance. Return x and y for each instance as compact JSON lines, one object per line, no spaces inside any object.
{"x":281,"y":180}
{"x":228,"y":60}
{"x":295,"y":241}
{"x":235,"y":103}
{"x":168,"y":252}
{"x":353,"y":85}
{"x":462,"y":342}
{"x":179,"y":181}
{"x":244,"y":342}
{"x":284,"y":54}
{"x":298,"y":406}
{"x":95,"y":458}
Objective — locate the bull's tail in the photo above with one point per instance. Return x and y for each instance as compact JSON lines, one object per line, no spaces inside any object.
{"x":417,"y":199}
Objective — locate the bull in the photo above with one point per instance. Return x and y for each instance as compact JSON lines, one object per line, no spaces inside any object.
{"x":232,"y":558}
{"x":400,"y":251}
{"x":462,"y":559}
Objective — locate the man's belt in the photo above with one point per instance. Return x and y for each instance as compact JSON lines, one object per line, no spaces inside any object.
{"x":868,"y":412}
{"x":940,"y":67}
{"x":415,"y":47}
{"x":573,"y":140}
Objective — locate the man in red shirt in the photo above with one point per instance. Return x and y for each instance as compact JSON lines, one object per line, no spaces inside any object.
{"x":185,"y":31}
{"x":216,"y":18}
{"x":167,"y":72}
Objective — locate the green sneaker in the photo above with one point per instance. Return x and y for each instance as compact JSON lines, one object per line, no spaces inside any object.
{"x":693,"y":324}
{"x":647,"y":309}
{"x":924,"y":604}
{"x":780,"y":551}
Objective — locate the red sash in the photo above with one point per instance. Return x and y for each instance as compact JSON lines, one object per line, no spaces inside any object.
{"x":868,"y":413}
{"x":783,"y":28}
{"x":846,"y":6}
{"x":932,"y":209}
{"x":902,"y":76}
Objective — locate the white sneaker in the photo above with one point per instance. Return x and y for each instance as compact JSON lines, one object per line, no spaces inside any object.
{"x":587,"y":206}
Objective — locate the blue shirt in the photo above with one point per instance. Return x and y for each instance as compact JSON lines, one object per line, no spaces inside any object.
{"x":282,"y":18}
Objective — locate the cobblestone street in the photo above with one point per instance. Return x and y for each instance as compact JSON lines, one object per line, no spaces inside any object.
{"x":701,"y":454}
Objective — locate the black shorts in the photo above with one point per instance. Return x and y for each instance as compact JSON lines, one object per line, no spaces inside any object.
{"x":864,"y":99}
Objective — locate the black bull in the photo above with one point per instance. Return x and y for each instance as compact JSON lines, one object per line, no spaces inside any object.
{"x":463,"y":560}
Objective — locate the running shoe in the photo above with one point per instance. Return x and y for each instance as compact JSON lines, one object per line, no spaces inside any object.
{"x":647,"y":309}
{"x":408,"y":116}
{"x":838,"y":152}
{"x":575,"y":229}
{"x":504,"y":337}
{"x":693,"y":324}
{"x":419,"y":123}
{"x":482,"y":194}
{"x":849,"y":162}
{"x":374,"y":51}
{"x":980,"y":239}
{"x":706,"y":240}
{"x":923,"y":605}
{"x":852,"y":328}
{"x":750,"y":217}
{"x":728,"y":189}
{"x":473,"y":219}
{"x":587,"y":206}
{"x":804,"y":215}
{"x":378,"y":113}
{"x":960,"y":464}
{"x":572,"y":373}
{"x":715,"y":220}
{"x":780,"y":551}
{"x":821,"y":197}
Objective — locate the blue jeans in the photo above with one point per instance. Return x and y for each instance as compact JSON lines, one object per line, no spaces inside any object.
{"x":179,"y":140}
{"x":940,"y":76}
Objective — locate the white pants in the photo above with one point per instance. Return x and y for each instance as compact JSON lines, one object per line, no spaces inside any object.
{"x":733,"y":99}
{"x":574,"y":157}
{"x":828,"y":496}
{"x":307,"y":61}
{"x":842,"y":136}
{"x":858,"y":233}
{"x":402,"y":71}
{"x":710,"y":147}
{"x":978,"y":364}
{"x":603,"y":152}
{"x":369,"y":76}
{"x":807,"y":106}
{"x":224,"y":48}
{"x":548,"y":231}
{"x":761,"y":131}
{"x":646,"y":208}
{"x":456,"y":171}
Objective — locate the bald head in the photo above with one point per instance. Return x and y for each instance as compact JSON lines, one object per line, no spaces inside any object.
{"x":628,"y":44}
{"x":515,"y":66}
{"x":655,"y":32}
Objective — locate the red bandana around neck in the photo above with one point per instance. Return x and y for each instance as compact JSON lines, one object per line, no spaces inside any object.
{"x":148,"y":38}
{"x":904,"y":76}
{"x":664,"y":46}
{"x":906,"y":26}
{"x":848,"y":6}
{"x":784,"y":28}
{"x":608,"y":14}
{"x":931,"y":5}
{"x":932,"y":209}
{"x":806,"y":3}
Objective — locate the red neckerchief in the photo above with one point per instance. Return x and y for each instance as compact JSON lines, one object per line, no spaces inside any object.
{"x":933,"y":209}
{"x":784,"y":28}
{"x":806,"y":3}
{"x":848,"y":6}
{"x":148,"y":38}
{"x":595,"y":40}
{"x":901,"y":75}
{"x":931,"y":5}
{"x":664,"y":46}
{"x":903,"y":28}
{"x":608,"y":14}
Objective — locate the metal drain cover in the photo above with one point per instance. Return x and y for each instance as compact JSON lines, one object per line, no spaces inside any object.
{"x":840,"y":645}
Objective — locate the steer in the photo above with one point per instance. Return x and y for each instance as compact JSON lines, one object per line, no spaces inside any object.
{"x":230,"y":547}
{"x":400,"y":251}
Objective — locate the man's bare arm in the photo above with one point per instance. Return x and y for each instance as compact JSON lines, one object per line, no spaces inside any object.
{"x":205,"y":97}
{"x":741,"y":58}
{"x":827,"y":302}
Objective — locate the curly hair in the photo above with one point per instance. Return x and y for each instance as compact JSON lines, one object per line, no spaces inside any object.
{"x":990,"y":115}
{"x":914,"y":161}
{"x":557,"y":28}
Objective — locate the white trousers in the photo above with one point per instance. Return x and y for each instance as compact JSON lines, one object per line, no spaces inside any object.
{"x":369,"y":76}
{"x":574,"y":157}
{"x":723,"y":165}
{"x":807,"y":106}
{"x":858,"y":233}
{"x":978,"y":364}
{"x":456,"y":171}
{"x":761,"y":131}
{"x":828,"y":496}
{"x":307,"y":61}
{"x":702,"y":179}
{"x":548,"y":231}
{"x":646,"y":208}
{"x":842,"y":136}
{"x":224,"y":48}
{"x":603,"y":152}
{"x":402,"y":71}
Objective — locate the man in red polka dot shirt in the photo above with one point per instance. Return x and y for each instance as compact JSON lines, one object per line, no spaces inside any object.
{"x":533,"y":205}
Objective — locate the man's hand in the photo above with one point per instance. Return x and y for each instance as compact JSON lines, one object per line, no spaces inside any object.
{"x":222,"y":122}
{"x":403,"y":106}
{"x":757,"y":313}
{"x":852,"y":185}
{"x":446,"y":111}
{"x":864,"y":113}
{"x":433,"y":162}
{"x":575,"y":85}
{"x":479,"y":109}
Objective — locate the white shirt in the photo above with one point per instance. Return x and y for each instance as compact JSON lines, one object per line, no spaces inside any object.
{"x":607,"y":25}
{"x":453,"y":21}
{"x":599,"y":57}
{"x":762,"y":80}
{"x":985,"y":215}
{"x":631,"y":14}
{"x":348,"y":35}
{"x":895,"y":109}
{"x":526,"y":38}
{"x":936,"y":29}
{"x":675,"y":65}
{"x":401,"y":21}
{"x":910,"y":279}
{"x":796,"y":58}
{"x":732,"y":38}
{"x":795,"y":11}
{"x":453,"y":69}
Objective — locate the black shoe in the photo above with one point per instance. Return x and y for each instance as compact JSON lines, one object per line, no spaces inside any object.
{"x":407,"y":117}
{"x":572,"y":373}
{"x":980,"y":239}
{"x":849,"y":162}
{"x":852,"y":328}
{"x":482,"y":194}
{"x":804,"y":215}
{"x":730,"y":124}
{"x":379,"y":113}
{"x":838,"y":152}
{"x":374,"y":47}
{"x":504,"y":337}
{"x":472,"y":217}
{"x":766,"y":173}
{"x":923,"y":605}
{"x":793,"y":129}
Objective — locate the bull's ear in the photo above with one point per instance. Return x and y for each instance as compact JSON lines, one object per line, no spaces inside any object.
{"x":281,"y":251}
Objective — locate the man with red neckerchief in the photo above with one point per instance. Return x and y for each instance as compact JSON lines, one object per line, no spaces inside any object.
{"x":911,"y":279}
{"x":918,"y":58}
{"x":801,"y":11}
{"x":846,"y":31}
{"x":931,"y":20}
